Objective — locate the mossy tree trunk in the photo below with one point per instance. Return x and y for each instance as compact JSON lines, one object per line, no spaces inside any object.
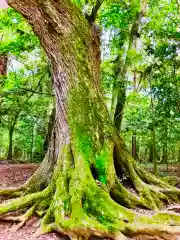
{"x":85,"y":146}
{"x":3,"y":65}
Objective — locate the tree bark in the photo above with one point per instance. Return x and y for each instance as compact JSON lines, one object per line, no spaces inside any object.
{"x":80,"y":164}
{"x":153,"y":127}
{"x":11,"y":131}
{"x":50,"y":130}
{"x":120,"y":102}
{"x":10,"y":154}
{"x":134,"y":150}
{"x":3,"y":65}
{"x":122,"y":69}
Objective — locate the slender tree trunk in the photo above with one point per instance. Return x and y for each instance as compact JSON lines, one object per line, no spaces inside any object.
{"x":134,"y":81}
{"x":154,"y":149}
{"x":11,"y":131}
{"x":165,"y":145}
{"x":3,"y":65}
{"x":113,"y":101}
{"x":153,"y":131}
{"x":49,"y":132}
{"x":145,"y":154}
{"x":122,"y":69}
{"x":10,"y":154}
{"x":134,"y":150}
{"x":120,"y":102}
{"x":32,"y":141}
{"x":150,"y":159}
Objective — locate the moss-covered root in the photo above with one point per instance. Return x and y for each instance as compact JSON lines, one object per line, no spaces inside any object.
{"x":79,"y":225}
{"x":21,"y":219}
{"x":152,"y":179}
{"x":172,"y":193}
{"x":153,"y":231}
{"x":37,"y":182}
{"x":75,"y":209}
{"x":24,"y":218}
{"x":24,"y":202}
{"x":160,"y":226}
{"x":152,"y":191}
{"x":79,"y":213}
{"x":103,"y":217}
{"x":11,"y":192}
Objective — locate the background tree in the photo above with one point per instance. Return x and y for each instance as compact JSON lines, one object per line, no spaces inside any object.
{"x":26,"y":94}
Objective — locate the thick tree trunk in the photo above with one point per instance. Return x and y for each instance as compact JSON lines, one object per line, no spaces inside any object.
{"x":85,"y":146}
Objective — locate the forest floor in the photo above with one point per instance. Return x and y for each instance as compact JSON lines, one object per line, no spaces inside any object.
{"x":15,"y":175}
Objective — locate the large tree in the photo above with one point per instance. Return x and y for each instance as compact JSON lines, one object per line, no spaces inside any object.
{"x":85,"y":145}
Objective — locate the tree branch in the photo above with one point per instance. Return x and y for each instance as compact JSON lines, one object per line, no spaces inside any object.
{"x":91,"y":19}
{"x":40,"y":93}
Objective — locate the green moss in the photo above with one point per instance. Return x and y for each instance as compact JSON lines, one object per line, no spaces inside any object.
{"x":101,"y":166}
{"x":23,"y":202}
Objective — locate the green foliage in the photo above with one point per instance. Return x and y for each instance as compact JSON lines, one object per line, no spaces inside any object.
{"x":16,"y":34}
{"x":154,"y":60}
{"x":152,"y":57}
{"x":26,"y":93}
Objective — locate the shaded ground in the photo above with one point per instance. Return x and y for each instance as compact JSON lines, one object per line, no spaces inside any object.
{"x":15,"y":175}
{"x":164,"y":170}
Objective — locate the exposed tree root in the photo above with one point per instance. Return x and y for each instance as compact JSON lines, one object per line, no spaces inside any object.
{"x":155,"y":232}
{"x":24,"y":202}
{"x":22,"y":219}
{"x":122,"y":196}
{"x":152,"y":191}
{"x":11,"y":192}
{"x":74,"y":204}
{"x":37,"y":182}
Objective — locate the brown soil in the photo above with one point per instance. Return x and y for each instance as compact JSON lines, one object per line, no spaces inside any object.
{"x":15,"y":175}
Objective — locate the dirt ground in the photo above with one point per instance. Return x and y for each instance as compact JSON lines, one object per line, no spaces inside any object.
{"x":15,"y":175}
